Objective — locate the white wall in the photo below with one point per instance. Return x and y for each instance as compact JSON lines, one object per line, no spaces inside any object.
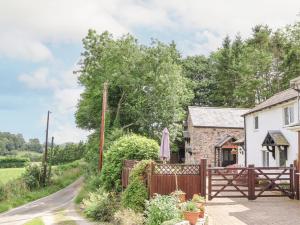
{"x":269,"y":119}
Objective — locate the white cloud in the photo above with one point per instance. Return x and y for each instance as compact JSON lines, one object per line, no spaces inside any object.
{"x":39,"y":79}
{"x":26,"y":26}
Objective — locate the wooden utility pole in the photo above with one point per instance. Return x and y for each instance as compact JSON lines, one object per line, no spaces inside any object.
{"x":102,"y":128}
{"x":46,"y":151}
{"x":51,"y":156}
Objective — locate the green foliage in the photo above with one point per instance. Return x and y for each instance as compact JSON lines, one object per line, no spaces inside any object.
{"x":100,"y":205}
{"x":133,"y":147}
{"x":65,"y":153}
{"x":17,"y":192}
{"x":242,"y":73}
{"x":33,"y":176}
{"x":8,"y":174}
{"x":197,"y":198}
{"x":172,"y":221}
{"x":13,"y":162}
{"x":190,"y":207}
{"x":147,"y":90}
{"x":136,"y":193}
{"x":160,"y":209}
{"x":128,"y":217}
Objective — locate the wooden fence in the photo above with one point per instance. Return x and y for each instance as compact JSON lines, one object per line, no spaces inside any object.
{"x":127,"y":167}
{"x":161,"y":178}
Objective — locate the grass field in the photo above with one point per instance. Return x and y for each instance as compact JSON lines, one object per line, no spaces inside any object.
{"x":7,"y":174}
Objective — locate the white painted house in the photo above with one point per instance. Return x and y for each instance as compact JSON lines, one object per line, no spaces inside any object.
{"x":272,"y":129}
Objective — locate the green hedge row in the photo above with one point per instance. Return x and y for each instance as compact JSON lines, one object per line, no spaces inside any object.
{"x":13,"y":162}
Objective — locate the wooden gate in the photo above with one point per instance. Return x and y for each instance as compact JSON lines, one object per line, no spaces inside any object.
{"x":252,"y":182}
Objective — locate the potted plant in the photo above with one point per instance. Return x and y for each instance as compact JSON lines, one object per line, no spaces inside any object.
{"x":191,"y":212}
{"x":178,"y":193}
{"x":199,"y":201}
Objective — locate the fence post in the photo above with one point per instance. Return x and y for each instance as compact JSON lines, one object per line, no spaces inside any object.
{"x":296,"y":180}
{"x":149,"y":180}
{"x":209,"y":182}
{"x":292,"y":196}
{"x":203,"y":172}
{"x":251,"y":182}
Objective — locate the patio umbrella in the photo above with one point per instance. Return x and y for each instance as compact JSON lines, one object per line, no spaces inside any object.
{"x":164,"y":153}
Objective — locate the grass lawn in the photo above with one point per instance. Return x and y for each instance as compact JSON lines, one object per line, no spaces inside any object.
{"x":20,"y":196}
{"x":36,"y":221}
{"x":7,"y":174}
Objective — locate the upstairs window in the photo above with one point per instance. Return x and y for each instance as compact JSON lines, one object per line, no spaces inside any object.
{"x":288,"y":115}
{"x":256,"y":122}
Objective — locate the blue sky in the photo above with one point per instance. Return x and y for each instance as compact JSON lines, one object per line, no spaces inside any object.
{"x":40,"y":45}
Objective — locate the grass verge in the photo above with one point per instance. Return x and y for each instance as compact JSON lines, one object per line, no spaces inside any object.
{"x":36,"y":221}
{"x":65,"y":175}
{"x":8,"y":174}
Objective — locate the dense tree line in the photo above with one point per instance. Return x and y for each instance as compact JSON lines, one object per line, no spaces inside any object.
{"x":242,"y":73}
{"x":151,"y":86}
{"x":67,"y":152}
{"x":10,"y":143}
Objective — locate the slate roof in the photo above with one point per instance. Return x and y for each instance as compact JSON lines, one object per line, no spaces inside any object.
{"x":277,"y":138}
{"x":224,"y":140}
{"x":278,"y":98}
{"x":217,"y":117}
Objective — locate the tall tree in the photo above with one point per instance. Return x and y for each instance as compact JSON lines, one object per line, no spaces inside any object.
{"x":147,"y":90}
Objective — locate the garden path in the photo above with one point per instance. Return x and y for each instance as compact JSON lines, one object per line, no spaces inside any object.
{"x":262,"y":211}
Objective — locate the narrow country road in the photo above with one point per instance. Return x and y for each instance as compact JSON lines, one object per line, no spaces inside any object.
{"x":43,"y":207}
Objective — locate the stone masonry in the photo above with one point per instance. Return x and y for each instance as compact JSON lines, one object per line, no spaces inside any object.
{"x":204,"y":139}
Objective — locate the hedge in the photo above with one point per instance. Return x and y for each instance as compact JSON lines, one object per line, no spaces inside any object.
{"x":13,"y":162}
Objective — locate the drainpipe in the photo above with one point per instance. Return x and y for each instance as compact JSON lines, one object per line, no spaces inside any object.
{"x":245,"y":140}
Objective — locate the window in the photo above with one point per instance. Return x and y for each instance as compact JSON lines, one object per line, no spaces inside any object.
{"x":265,"y":158}
{"x":288,"y":115}
{"x":256,"y":122}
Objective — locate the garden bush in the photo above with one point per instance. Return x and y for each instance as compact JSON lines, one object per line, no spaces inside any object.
{"x":13,"y":162}
{"x":128,"y":217}
{"x":134,"y":147}
{"x":160,"y":209}
{"x":136,"y":193}
{"x":100,"y":205}
{"x":2,"y":192}
{"x":33,"y":176}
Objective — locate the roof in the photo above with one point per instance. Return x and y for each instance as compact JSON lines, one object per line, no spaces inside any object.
{"x":224,"y":140}
{"x":278,"y":98}
{"x":217,"y":117}
{"x":275,"y":138}
{"x":240,"y":141}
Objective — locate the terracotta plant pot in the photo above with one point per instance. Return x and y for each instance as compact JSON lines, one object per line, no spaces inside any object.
{"x":201,"y":214}
{"x":192,"y":217}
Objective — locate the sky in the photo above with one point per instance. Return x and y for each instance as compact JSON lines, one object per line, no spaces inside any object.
{"x":41,"y":43}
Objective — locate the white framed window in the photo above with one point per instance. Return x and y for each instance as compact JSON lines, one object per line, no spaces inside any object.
{"x":288,"y":115}
{"x":256,"y":123}
{"x":265,"y":158}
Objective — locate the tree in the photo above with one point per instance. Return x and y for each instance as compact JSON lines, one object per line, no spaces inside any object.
{"x":34,"y":145}
{"x":147,"y":90}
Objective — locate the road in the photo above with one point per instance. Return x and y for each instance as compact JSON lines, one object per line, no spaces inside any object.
{"x":44,"y":207}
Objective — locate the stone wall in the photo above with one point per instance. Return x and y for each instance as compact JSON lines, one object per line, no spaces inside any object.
{"x":203,"y":140}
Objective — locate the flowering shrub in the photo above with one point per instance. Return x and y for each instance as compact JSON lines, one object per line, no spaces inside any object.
{"x":160,"y":209}
{"x":128,"y":217}
{"x":100,"y":206}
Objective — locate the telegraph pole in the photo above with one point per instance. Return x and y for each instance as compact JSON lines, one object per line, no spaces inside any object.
{"x":51,"y":156}
{"x":46,"y":151}
{"x":102,"y":128}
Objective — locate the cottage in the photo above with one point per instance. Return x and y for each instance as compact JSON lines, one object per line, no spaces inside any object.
{"x":271,"y":129}
{"x":211,"y":133}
